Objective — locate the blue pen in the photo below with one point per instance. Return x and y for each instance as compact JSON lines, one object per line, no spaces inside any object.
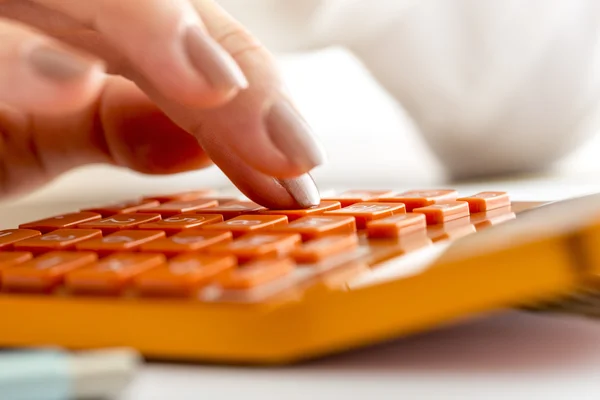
{"x":50,"y":374}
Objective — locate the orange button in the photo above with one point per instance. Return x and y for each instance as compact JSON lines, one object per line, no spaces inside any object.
{"x":318,"y":249}
{"x":492,"y":217}
{"x":256,"y":273}
{"x":485,"y":201}
{"x":357,"y":196}
{"x":180,"y":222}
{"x":233,"y":209}
{"x":60,"y":239}
{"x":443,"y":212}
{"x":120,"y":222}
{"x":248,"y":223}
{"x":12,"y":258}
{"x":171,"y":208}
{"x":46,"y":272}
{"x":186,"y":241}
{"x":125,"y":240}
{"x":62,"y":221}
{"x":111,"y":274}
{"x":295,"y":214}
{"x":183,"y":274}
{"x":364,"y":212}
{"x":396,"y":226}
{"x":421,"y":198}
{"x":182,"y":196}
{"x":126,"y":207}
{"x":313,"y":227}
{"x":9,"y":237}
{"x":255,"y":245}
{"x":451,"y":230}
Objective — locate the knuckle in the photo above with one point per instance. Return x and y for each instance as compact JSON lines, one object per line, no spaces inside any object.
{"x":237,"y":41}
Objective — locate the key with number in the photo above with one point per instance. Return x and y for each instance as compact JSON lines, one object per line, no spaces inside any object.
{"x":180,"y":222}
{"x":358,"y":196}
{"x":421,"y":198}
{"x":120,"y":222}
{"x":184,"y":274}
{"x":364,"y":212}
{"x":396,"y":226}
{"x":248,"y":223}
{"x":60,"y":239}
{"x":444,"y":212}
{"x":256,"y":273}
{"x":126,"y":240}
{"x":44,"y":273}
{"x":296,"y":214}
{"x":327,"y":246}
{"x":62,"y":221}
{"x":171,"y":208}
{"x":315,"y":226}
{"x":233,"y":209}
{"x":486,"y":201}
{"x":126,"y":207}
{"x":111,"y":274}
{"x":9,"y":237}
{"x":186,"y":241}
{"x":254,"y":245}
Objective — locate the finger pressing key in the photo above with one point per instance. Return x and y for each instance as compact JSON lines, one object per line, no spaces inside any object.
{"x":183,"y":274}
{"x":112,"y":274}
{"x":46,"y":272}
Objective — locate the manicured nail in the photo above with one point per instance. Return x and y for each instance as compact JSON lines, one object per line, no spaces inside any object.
{"x":303,"y":189}
{"x":57,"y":64}
{"x":216,"y":66}
{"x":293,"y":137}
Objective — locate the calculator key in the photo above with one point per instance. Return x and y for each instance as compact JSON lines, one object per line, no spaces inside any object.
{"x":126,"y":207}
{"x":183,"y":274}
{"x":111,"y":274}
{"x":315,"y":226}
{"x":12,"y":258}
{"x":451,"y":230}
{"x":256,"y":273}
{"x":295,"y":214}
{"x":492,"y":217}
{"x":182,"y":196}
{"x":358,"y":196}
{"x":46,"y":272}
{"x":171,"y":208}
{"x":421,"y":198}
{"x":121,"y":222}
{"x":126,"y":240}
{"x":396,"y":226}
{"x":485,"y":201}
{"x":187,"y":241}
{"x":233,"y":209}
{"x":9,"y":237}
{"x":444,"y":212}
{"x":71,"y":220}
{"x":248,"y":223}
{"x":180,"y":222}
{"x":318,"y":249}
{"x":60,"y":239}
{"x":364,"y":212}
{"x":254,"y":245}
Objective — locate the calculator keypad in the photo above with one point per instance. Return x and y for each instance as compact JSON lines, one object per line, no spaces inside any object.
{"x":207,"y":247}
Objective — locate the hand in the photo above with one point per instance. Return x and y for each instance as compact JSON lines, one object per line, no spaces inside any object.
{"x":158,"y":86}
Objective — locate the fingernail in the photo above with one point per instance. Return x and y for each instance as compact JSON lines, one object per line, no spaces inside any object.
{"x":57,"y":64}
{"x":218,"y":68}
{"x":303,"y":190}
{"x":293,"y":137}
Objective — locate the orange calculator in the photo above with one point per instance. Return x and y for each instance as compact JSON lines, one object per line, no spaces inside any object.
{"x":197,"y":277}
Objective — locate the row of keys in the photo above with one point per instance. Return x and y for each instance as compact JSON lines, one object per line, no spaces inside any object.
{"x":148,"y":274}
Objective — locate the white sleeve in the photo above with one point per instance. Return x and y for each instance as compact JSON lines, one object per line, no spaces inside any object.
{"x":494,"y":86}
